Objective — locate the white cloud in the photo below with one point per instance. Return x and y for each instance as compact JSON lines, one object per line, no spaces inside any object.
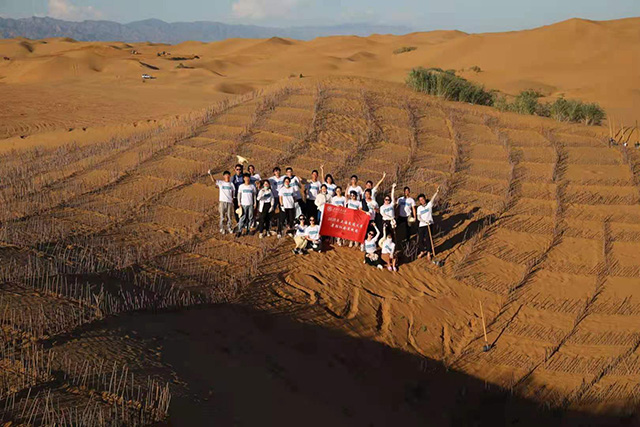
{"x":64,"y":9}
{"x":260,"y":9}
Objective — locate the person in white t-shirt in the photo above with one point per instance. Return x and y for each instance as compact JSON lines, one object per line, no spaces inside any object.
{"x":255,"y":177}
{"x":369,"y":205}
{"x":425,"y":216}
{"x":313,"y":235}
{"x":353,"y":203}
{"x":389,"y":250}
{"x":276,"y":182}
{"x":287,"y":204}
{"x":374,"y":188}
{"x":329,"y":182}
{"x":312,"y":188}
{"x":225,"y":206}
{"x":247,"y":201}
{"x":372,"y":205}
{"x":406,"y":210}
{"x":300,"y":237}
{"x":353,"y":186}
{"x":322,"y":199}
{"x":266,"y":206}
{"x":388,"y":210}
{"x":338,"y":199}
{"x":371,"y":248}
{"x":331,"y":185}
{"x":297,"y":191}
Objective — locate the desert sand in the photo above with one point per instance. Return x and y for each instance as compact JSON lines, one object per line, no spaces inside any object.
{"x":121,"y":301}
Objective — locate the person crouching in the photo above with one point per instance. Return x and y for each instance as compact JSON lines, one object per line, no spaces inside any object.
{"x":300,"y":237}
{"x":371,"y":256}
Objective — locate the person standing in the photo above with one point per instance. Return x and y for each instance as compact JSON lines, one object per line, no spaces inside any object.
{"x":247,"y":201}
{"x":255,"y":176}
{"x":225,"y":206}
{"x":237,"y":180}
{"x":276,"y":182}
{"x":353,"y":186}
{"x":339,"y":200}
{"x":297,"y":193}
{"x":312,"y":188}
{"x":355,"y":204}
{"x":388,"y":210}
{"x":374,"y":188}
{"x":266,"y":206}
{"x":425,"y":216}
{"x":322,"y":199}
{"x":406,"y":210}
{"x":287,"y":205}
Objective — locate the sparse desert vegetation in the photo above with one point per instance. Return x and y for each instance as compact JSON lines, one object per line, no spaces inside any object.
{"x":404,"y":49}
{"x":449,"y":86}
{"x":562,"y":110}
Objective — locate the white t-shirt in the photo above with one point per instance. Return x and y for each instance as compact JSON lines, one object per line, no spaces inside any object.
{"x":313,"y":188}
{"x":388,"y":247}
{"x":388,"y":212}
{"x":287,"y":193}
{"x":246,"y":194}
{"x":227,"y":190}
{"x":331,"y":189}
{"x":357,"y":189}
{"x":276,"y":183}
{"x":313,"y":231}
{"x":354,"y":204}
{"x":405,"y":205}
{"x":264,"y":196}
{"x":255,"y":177}
{"x":295,"y":184}
{"x":370,"y":245}
{"x":338,"y":201}
{"x":301,"y":230}
{"x":372,"y":205}
{"x":425,"y":214}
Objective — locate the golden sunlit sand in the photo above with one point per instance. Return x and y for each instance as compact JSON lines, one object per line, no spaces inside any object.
{"x":109,"y":216}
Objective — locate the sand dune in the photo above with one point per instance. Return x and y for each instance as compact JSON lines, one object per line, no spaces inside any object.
{"x":593,"y":61}
{"x":108,"y":211}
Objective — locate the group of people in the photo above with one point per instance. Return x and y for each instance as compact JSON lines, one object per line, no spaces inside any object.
{"x":292,"y":206}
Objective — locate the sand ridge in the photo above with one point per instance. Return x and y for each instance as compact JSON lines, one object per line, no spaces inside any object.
{"x":523,"y":227}
{"x":592,"y":61}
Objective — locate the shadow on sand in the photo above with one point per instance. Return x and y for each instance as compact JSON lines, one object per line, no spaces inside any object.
{"x":244,"y":367}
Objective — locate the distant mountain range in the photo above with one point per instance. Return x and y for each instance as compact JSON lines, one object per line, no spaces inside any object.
{"x":157,"y":31}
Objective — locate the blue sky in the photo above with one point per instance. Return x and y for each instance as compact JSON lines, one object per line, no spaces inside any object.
{"x":465,"y":15}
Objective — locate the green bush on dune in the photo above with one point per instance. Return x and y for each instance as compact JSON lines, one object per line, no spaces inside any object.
{"x":447,"y":85}
{"x":404,"y":49}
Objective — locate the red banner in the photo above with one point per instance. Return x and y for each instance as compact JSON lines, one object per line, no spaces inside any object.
{"x":349,"y":224}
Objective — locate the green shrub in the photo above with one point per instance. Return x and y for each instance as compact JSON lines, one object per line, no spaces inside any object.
{"x":445,"y":84}
{"x":526,"y":102}
{"x":593,"y":114}
{"x":404,"y":49}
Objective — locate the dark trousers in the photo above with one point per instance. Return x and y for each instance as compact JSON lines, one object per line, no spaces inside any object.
{"x":402,"y":229}
{"x":370,"y":262}
{"x":424,"y":243}
{"x":312,"y":209}
{"x":289,"y":217}
{"x":265,"y":218}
